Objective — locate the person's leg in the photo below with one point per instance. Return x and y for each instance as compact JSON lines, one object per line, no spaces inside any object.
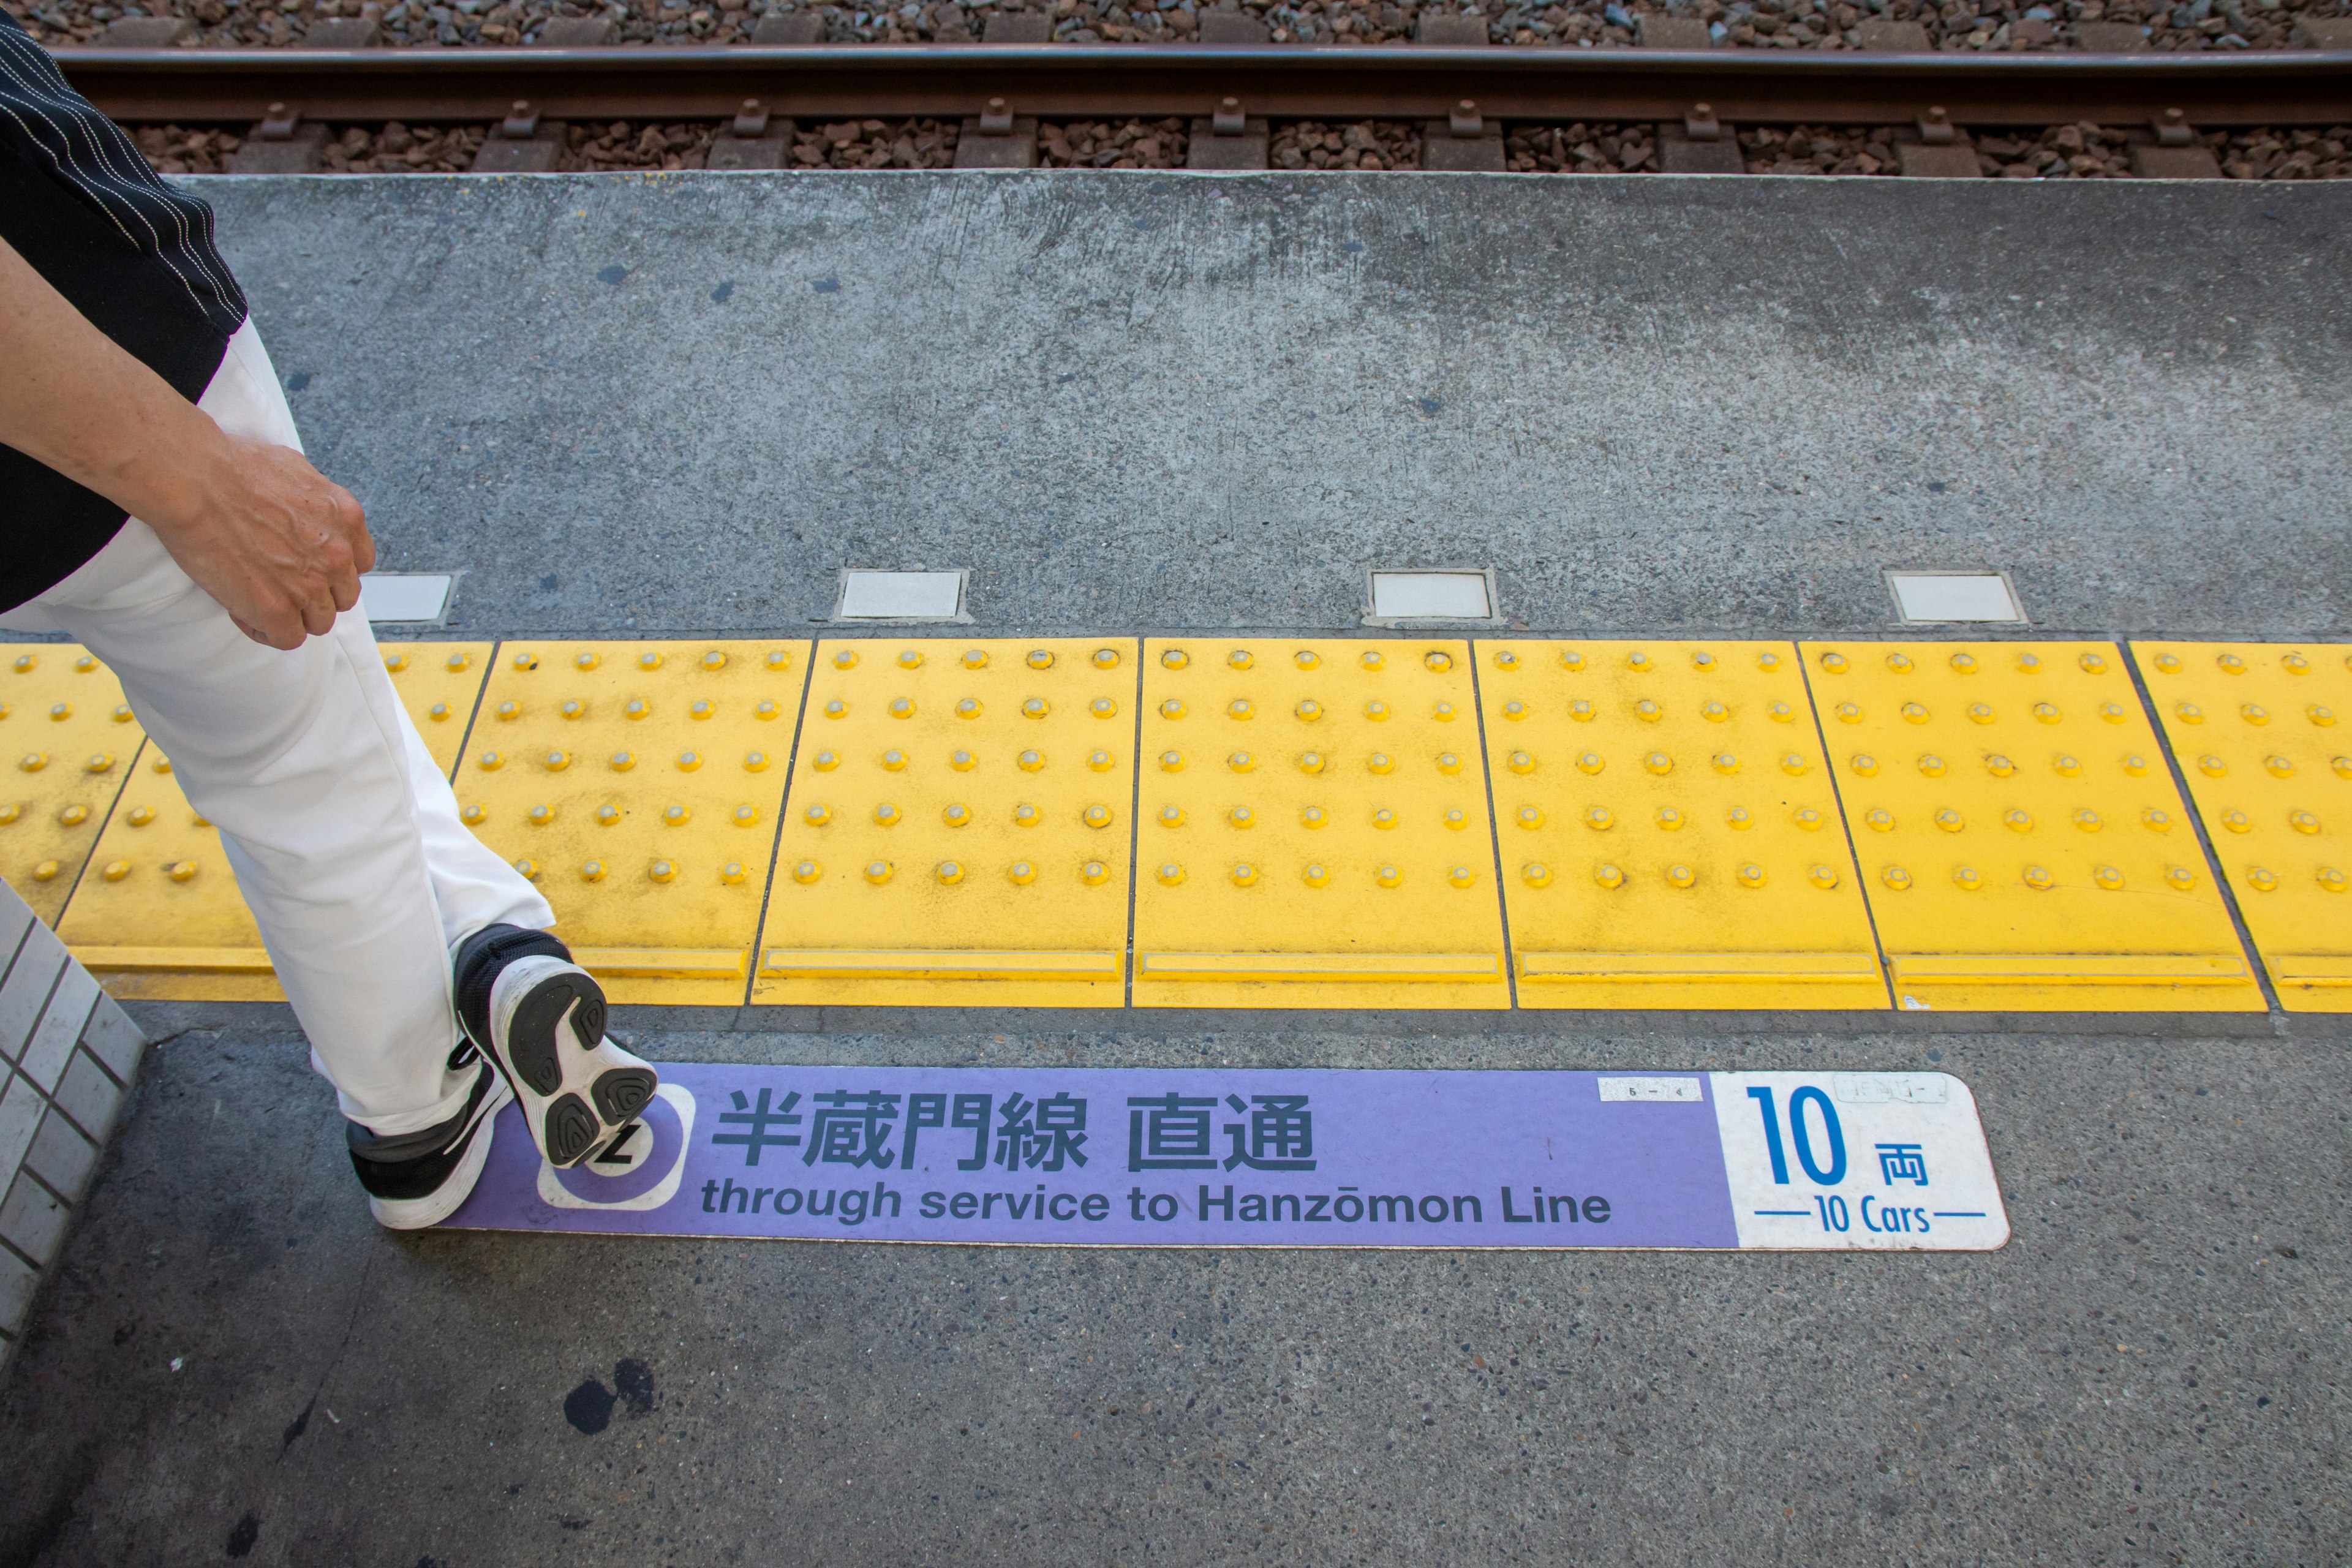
{"x":344,"y":835}
{"x":346,"y":839}
{"x":472,"y":887}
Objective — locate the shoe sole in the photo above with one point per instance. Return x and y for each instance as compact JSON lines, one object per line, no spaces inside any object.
{"x":421,"y":1214}
{"x":578,"y":1119}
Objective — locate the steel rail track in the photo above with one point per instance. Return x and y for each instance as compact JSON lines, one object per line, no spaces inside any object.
{"x":209,"y":86}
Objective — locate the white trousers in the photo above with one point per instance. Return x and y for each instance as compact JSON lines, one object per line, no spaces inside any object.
{"x":341,"y":830}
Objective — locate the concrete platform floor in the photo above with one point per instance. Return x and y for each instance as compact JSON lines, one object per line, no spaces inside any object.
{"x":2151,"y":1372}
{"x":1148,"y":402}
{"x":1154,"y":403}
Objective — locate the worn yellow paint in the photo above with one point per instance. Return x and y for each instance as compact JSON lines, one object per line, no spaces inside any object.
{"x":2017,"y":832}
{"x":1313,"y":830}
{"x":941,"y":963}
{"x":1669,"y":836}
{"x":175,"y":960}
{"x":957,"y":831}
{"x":637,"y":783}
{"x":2263,"y":734}
{"x":145,"y":932}
{"x":67,"y":739}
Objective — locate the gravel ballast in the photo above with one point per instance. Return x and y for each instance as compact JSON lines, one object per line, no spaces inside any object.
{"x":1954,"y":26}
{"x":2059,"y":151}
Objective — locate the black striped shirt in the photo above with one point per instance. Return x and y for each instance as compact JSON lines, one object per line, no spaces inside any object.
{"x":136,"y":257}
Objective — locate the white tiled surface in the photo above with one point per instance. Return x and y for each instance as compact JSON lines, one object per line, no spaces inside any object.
{"x":75,"y":1051}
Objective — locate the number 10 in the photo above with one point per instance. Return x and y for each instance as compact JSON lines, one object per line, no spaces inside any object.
{"x":1800,"y":1135}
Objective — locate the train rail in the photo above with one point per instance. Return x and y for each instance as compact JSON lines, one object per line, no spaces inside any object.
{"x":2210,"y":91}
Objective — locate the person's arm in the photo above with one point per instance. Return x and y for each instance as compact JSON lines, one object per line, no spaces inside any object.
{"x":277,"y":542}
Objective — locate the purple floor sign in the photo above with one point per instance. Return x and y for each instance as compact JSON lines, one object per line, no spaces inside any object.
{"x":1248,"y":1157}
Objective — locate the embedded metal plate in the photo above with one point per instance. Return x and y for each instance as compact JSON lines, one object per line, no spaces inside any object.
{"x":1313,"y":827}
{"x":159,"y":913}
{"x":67,"y":738}
{"x":2263,"y":733}
{"x":1455,"y":594}
{"x":410,"y":597}
{"x":638,"y":783}
{"x":1954,"y":597}
{"x":2021,"y":841}
{"x":958,"y":830}
{"x":1669,"y":836}
{"x":889,"y":596}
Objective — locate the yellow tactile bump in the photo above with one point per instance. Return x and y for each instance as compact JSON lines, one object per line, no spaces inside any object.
{"x":1670,"y":838}
{"x":959,"y":830}
{"x":1313,"y":828}
{"x":159,"y":913}
{"x":67,"y":738}
{"x":2019,"y":834}
{"x":638,"y":785}
{"x":2263,"y":734}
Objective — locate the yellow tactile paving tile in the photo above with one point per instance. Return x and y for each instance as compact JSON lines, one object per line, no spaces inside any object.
{"x":638,"y":785}
{"x":1313,"y":828}
{"x":1669,"y":836}
{"x":439,"y":683}
{"x":67,"y":739}
{"x":959,"y":830}
{"x":2263,"y":734}
{"x":159,"y":913}
{"x":2017,"y":832}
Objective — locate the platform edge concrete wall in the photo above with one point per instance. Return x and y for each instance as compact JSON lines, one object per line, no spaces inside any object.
{"x":68,"y":1055}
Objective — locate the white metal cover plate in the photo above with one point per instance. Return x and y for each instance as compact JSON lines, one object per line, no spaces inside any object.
{"x":1955,"y":597}
{"x":900,"y":596}
{"x":1432,"y":596}
{"x":405,"y":596}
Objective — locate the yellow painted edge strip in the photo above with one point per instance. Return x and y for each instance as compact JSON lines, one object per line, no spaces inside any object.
{"x":832,"y":963}
{"x":662,"y":962}
{"x":1825,"y":968}
{"x":1395,"y":966}
{"x":2323,"y":969}
{"x":173,"y":959}
{"x":2076,"y":969}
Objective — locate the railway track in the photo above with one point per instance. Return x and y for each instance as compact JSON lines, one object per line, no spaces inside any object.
{"x":951,"y":82}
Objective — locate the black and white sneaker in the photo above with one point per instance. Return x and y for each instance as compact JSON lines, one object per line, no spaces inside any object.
{"x":418,"y":1179}
{"x":540,"y":1018}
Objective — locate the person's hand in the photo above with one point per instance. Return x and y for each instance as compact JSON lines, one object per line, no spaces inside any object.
{"x":278,"y":543}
